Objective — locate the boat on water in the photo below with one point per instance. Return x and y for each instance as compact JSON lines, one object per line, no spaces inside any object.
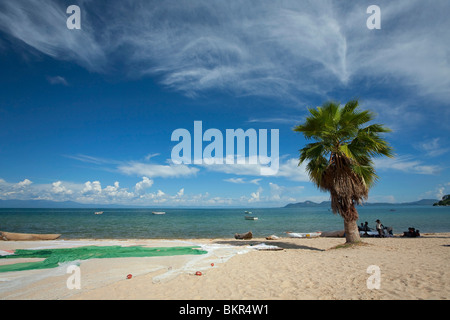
{"x":98,"y":212}
{"x":247,"y":212}
{"x":251,"y":218}
{"x":158,"y":212}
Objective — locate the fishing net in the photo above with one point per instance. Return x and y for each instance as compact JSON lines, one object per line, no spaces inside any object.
{"x":54,"y":257}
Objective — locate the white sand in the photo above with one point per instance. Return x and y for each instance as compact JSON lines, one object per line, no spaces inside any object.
{"x":409,"y":268}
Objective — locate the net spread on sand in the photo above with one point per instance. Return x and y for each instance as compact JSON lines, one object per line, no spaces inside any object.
{"x":53,"y":257}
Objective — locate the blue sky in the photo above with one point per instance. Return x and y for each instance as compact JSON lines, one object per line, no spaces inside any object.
{"x":87,"y":115}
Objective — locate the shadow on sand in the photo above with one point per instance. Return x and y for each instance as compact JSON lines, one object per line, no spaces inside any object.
{"x":278,"y":243}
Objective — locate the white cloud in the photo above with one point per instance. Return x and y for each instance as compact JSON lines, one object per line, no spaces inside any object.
{"x":235,"y":180}
{"x":151,"y":155}
{"x":58,"y":188}
{"x":438,"y":192}
{"x":285,"y":121}
{"x":14,"y":190}
{"x":285,"y":194}
{"x":406,"y":164}
{"x":255,"y":196}
{"x":92,"y":187}
{"x":42,"y":25}
{"x":157,"y":170}
{"x":92,"y":192}
{"x":287,"y":169}
{"x":433,"y":147}
{"x":24,"y":183}
{"x":58,"y":80}
{"x":292,"y":171}
{"x":142,"y":185}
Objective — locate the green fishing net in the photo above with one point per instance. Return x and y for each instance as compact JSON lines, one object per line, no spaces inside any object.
{"x":54,"y":257}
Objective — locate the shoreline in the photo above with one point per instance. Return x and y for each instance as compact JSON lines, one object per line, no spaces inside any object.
{"x":304,"y":269}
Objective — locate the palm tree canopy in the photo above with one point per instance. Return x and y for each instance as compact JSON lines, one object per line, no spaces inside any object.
{"x":340,"y":158}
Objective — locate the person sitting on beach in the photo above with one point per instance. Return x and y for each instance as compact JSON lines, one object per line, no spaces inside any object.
{"x":412,"y":233}
{"x":366,"y":226}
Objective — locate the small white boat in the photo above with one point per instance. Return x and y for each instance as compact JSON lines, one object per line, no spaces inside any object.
{"x":158,"y":212}
{"x":250,"y":218}
{"x":304,"y":235}
{"x":247,"y":212}
{"x":98,"y":212}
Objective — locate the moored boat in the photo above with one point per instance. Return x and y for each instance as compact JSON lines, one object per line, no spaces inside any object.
{"x":98,"y":212}
{"x":304,"y":235}
{"x":158,"y":212}
{"x":251,"y":218}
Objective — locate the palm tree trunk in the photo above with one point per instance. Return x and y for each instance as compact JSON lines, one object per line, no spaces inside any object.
{"x":351,"y":231}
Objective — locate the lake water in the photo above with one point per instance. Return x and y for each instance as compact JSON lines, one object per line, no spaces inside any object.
{"x":212,"y":223}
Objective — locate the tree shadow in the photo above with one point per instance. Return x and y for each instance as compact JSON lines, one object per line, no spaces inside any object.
{"x":278,"y":243}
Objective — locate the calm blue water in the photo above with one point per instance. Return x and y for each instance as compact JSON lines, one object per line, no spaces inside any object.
{"x":211,"y":223}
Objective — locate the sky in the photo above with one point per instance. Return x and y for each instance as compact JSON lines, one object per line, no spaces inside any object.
{"x":88,"y":114}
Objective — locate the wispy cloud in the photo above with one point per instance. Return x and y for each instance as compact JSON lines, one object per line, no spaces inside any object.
{"x":138,"y":168}
{"x":57,"y":80}
{"x":433,"y":147}
{"x":407,"y":164}
{"x":288,"y":169}
{"x":90,"y":159}
{"x":268,"y":48}
{"x":42,"y":25}
{"x":157,"y":170}
{"x":242,"y":181}
{"x":287,"y":121}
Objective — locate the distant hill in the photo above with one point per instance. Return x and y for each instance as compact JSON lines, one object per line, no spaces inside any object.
{"x":308,"y":204}
{"x":444,"y":202}
{"x":423,"y":202}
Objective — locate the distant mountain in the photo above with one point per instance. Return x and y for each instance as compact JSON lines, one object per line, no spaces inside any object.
{"x":307,"y":204}
{"x":423,"y":202}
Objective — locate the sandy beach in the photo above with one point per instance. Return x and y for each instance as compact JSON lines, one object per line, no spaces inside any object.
{"x":387,"y":268}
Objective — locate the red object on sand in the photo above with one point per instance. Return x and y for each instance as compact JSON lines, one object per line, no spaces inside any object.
{"x":212,"y":264}
{"x":198,"y":273}
{"x":129,"y":276}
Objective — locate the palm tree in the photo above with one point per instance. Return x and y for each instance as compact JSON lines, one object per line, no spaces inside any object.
{"x":340,"y":158}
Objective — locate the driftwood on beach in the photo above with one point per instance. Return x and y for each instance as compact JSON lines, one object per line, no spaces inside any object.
{"x":333,"y":234}
{"x":244,"y":236}
{"x":12,"y":236}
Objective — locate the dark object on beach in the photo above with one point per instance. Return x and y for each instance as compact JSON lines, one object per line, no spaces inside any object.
{"x":333,"y":234}
{"x":12,"y":236}
{"x":244,"y":236}
{"x":411,"y":233}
